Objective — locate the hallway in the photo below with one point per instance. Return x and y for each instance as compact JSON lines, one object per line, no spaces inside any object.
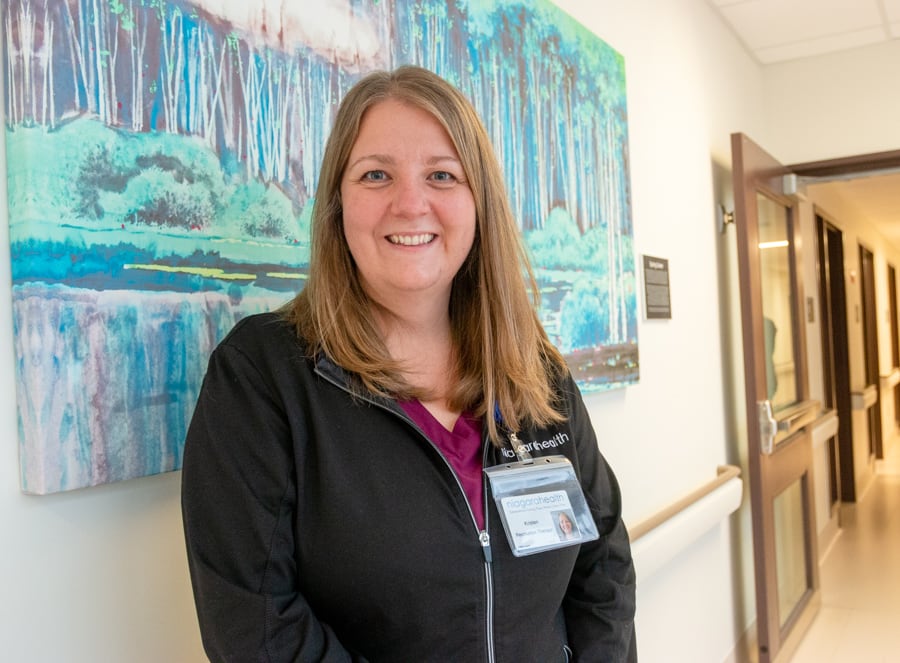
{"x":859,"y":619}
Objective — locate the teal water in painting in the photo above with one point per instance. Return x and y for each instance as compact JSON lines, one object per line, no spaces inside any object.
{"x":107,"y":380}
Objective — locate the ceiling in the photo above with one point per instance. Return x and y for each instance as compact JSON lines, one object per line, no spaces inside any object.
{"x":774,"y":31}
{"x":779,"y":30}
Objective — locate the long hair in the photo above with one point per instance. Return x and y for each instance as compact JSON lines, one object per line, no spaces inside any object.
{"x":505,"y":366}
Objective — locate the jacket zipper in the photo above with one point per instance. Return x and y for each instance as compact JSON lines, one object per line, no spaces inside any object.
{"x":484,"y":538}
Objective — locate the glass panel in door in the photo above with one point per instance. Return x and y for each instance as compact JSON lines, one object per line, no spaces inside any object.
{"x":791,"y":560}
{"x":777,"y":302}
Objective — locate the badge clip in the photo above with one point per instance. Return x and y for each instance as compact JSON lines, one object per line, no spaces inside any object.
{"x":520,"y":450}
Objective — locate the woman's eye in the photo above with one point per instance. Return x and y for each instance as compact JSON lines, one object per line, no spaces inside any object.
{"x":374,"y":176}
{"x":443,"y":176}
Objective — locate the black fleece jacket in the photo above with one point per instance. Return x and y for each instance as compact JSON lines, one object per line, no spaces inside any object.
{"x":322,"y":526}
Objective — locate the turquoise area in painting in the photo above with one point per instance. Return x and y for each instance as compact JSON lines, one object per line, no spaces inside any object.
{"x":161,"y":171}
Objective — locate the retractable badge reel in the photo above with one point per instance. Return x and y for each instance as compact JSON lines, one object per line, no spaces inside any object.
{"x":541,"y":503}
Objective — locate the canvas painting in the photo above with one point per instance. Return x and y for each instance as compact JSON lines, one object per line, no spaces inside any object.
{"x":162,"y":160}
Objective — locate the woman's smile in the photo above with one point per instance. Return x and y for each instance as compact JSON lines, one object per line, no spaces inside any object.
{"x":411,"y":240}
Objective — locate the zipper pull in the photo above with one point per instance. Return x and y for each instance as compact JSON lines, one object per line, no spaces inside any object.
{"x":485,"y":539}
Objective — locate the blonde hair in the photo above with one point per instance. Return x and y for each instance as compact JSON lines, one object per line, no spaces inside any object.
{"x":505,"y":365}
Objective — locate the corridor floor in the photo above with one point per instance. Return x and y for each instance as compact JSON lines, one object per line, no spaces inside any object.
{"x":859,"y":618}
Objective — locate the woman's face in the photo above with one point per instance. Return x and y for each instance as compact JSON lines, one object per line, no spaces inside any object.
{"x":565,"y":524}
{"x":409,"y":215}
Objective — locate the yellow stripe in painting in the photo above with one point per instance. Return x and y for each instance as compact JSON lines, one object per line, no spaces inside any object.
{"x":285,"y":275}
{"x":209,"y":272}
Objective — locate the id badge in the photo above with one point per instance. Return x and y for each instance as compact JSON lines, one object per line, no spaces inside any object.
{"x":541,"y":505}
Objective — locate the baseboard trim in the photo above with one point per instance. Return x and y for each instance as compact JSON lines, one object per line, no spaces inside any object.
{"x":745,"y":650}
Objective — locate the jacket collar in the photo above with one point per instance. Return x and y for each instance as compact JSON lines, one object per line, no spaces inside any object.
{"x":347,"y":381}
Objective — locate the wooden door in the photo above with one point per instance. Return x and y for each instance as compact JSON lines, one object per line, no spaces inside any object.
{"x":777,"y":396}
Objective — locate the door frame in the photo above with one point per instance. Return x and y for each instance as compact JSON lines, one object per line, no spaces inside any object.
{"x":869,"y":317}
{"x":844,"y":167}
{"x":895,"y":339}
{"x":835,"y":360}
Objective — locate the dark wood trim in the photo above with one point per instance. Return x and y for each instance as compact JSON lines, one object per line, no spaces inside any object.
{"x":892,"y":308}
{"x":861,"y":163}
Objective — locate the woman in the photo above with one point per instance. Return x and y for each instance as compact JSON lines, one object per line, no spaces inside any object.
{"x":566,"y":526}
{"x":334,"y":503}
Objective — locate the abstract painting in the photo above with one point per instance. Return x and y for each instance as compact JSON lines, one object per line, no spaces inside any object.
{"x":162,"y":158}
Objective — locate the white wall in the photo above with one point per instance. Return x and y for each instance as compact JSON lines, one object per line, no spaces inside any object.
{"x":99,"y":575}
{"x":835,"y":105}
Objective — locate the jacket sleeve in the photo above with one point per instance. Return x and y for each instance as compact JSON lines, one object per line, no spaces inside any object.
{"x":238,"y":503}
{"x":600,"y":602}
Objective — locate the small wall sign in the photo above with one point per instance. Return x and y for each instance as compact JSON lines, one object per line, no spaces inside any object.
{"x":657,"y":302}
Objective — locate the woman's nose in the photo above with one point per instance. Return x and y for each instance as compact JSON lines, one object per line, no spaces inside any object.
{"x":410,"y":197}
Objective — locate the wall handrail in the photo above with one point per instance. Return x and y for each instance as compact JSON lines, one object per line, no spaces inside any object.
{"x":724,"y":474}
{"x":865,"y":398}
{"x":656,"y":541}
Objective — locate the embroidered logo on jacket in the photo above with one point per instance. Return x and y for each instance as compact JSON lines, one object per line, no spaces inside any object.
{"x":531,"y":447}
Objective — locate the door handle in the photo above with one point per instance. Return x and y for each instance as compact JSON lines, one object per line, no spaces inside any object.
{"x":768,"y":427}
{"x":798,"y":416}
{"x":788,"y":423}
